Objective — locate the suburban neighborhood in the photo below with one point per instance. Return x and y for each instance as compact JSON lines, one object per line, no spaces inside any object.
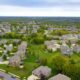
{"x":37,"y":49}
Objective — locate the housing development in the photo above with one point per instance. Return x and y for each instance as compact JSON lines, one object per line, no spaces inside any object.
{"x":39,"y":48}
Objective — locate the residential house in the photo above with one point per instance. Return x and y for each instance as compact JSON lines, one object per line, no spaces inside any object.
{"x":19,"y":55}
{"x":42,"y":70}
{"x":76,"y":48}
{"x":60,"y":77}
{"x":14,"y":61}
{"x":9,"y":47}
{"x":52,"y":45}
{"x":69,"y":37}
{"x":66,"y":50}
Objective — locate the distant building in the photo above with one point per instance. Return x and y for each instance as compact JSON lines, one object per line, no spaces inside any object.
{"x":9,"y":47}
{"x":5,"y":28}
{"x":52,"y":45}
{"x":69,"y":37}
{"x":66,"y":50}
{"x":78,"y":36}
{"x":76,"y":48}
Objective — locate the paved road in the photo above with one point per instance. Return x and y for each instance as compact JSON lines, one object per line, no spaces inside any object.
{"x":7,"y":76}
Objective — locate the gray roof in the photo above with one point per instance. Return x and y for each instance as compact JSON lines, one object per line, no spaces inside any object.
{"x":69,"y":36}
{"x":66,"y":50}
{"x":60,"y":77}
{"x":22,"y":46}
{"x":19,"y":55}
{"x":46,"y":71}
{"x":15,"y":61}
{"x":76,"y":48}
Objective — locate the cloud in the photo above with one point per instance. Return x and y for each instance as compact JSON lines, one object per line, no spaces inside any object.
{"x":40,"y":3}
{"x":6,"y":10}
{"x":40,"y":7}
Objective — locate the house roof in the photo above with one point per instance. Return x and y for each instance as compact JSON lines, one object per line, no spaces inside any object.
{"x":46,"y":71}
{"x":15,"y":58}
{"x":60,"y":77}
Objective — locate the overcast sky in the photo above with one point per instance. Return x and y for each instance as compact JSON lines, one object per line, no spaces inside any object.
{"x":40,"y":8}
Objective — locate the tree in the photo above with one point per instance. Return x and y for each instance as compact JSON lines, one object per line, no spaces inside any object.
{"x":59,"y":32}
{"x":12,"y":35}
{"x":38,"y":40}
{"x":5,"y":57}
{"x":72,"y":70}
{"x":43,"y":61}
{"x":59,"y":63}
{"x":24,"y":38}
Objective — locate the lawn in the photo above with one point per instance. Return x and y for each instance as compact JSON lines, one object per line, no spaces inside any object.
{"x":35,"y":52}
{"x":30,"y":62}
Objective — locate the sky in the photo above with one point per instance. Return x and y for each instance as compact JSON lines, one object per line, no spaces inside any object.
{"x":62,"y":8}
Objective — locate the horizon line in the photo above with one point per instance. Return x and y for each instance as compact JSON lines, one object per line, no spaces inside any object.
{"x":39,"y":16}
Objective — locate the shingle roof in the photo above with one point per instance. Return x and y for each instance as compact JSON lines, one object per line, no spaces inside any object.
{"x":46,"y":71}
{"x":60,"y":77}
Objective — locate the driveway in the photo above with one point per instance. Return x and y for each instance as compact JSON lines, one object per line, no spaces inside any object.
{"x":7,"y":76}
